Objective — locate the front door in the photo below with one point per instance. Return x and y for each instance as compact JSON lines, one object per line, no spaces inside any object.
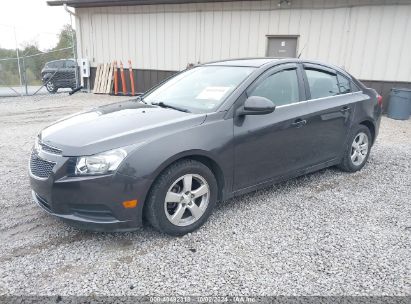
{"x":272,"y":145}
{"x":285,"y":47}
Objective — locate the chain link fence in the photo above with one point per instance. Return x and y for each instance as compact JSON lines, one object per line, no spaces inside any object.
{"x":38,"y":73}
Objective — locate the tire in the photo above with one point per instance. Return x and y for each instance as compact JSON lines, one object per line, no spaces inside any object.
{"x":172,"y":206}
{"x":51,"y":87}
{"x":355,"y":154}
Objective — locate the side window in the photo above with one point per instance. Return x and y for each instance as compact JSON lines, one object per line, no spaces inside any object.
{"x":58,"y":64}
{"x":281,"y":88}
{"x":354,"y":87}
{"x":322,"y":84}
{"x":343,"y":84}
{"x":70,"y":64}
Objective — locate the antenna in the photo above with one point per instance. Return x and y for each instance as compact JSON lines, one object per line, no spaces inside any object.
{"x":299,"y":55}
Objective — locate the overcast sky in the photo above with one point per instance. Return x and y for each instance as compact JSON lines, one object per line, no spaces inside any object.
{"x":34,"y":21}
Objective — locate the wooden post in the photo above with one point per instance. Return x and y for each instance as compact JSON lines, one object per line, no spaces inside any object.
{"x":115,"y":79}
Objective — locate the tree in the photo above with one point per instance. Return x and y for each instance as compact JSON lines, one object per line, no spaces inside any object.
{"x":66,"y":38}
{"x":32,"y":62}
{"x":8,"y":68}
{"x":33,"y":59}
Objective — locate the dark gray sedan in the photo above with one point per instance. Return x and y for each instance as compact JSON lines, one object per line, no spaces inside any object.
{"x":208,"y":134}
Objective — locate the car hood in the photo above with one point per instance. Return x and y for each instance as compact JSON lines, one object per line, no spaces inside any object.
{"x":115,"y":125}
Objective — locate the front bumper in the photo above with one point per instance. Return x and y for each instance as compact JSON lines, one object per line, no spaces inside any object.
{"x":87,"y":222}
{"x":89,"y":202}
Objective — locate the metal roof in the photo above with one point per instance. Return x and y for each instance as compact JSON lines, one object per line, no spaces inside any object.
{"x":281,"y":3}
{"x":101,"y":3}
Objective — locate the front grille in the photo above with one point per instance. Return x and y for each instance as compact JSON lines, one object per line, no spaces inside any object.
{"x":50,"y":149}
{"x":40,"y":167}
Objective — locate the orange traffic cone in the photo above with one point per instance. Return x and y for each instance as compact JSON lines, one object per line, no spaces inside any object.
{"x":123,"y":79}
{"x":130,"y":70}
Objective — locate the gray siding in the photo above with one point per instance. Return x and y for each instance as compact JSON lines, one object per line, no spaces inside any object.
{"x":371,"y":41}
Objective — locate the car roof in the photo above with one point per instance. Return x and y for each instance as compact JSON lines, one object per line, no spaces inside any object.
{"x":245,"y":62}
{"x":259,"y":62}
{"x":57,"y":60}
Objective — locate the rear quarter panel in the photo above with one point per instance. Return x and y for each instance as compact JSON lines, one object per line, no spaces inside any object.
{"x":367,"y":109}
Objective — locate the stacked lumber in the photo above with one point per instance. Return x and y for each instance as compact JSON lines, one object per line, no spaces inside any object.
{"x":104,"y":78}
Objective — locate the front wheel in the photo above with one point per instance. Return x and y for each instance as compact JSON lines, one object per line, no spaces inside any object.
{"x":357,"y":150}
{"x":182,"y":198}
{"x":51,"y":87}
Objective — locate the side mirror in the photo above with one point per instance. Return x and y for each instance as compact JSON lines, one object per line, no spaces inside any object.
{"x":256,"y":105}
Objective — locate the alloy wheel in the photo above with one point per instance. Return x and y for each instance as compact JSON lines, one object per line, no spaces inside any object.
{"x":187,"y":200}
{"x":359,"y":149}
{"x":50,"y":86}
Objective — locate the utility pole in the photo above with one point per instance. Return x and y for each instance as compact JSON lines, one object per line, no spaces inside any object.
{"x":25,"y":76}
{"x":72,"y":38}
{"x":18,"y":60}
{"x":73,"y":43}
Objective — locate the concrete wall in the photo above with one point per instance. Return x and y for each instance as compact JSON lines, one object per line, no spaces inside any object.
{"x":372,"y":42}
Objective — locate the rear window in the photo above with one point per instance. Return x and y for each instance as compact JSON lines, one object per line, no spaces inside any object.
{"x":344,"y":84}
{"x":355,"y":87}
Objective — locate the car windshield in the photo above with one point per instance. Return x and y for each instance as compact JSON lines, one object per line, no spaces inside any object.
{"x":200,"y":89}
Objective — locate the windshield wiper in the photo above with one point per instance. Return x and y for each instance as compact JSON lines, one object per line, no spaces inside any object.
{"x":166,"y":105}
{"x":140,"y":98}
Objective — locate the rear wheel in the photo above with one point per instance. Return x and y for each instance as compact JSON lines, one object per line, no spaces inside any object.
{"x":357,"y":150}
{"x":182,"y":198}
{"x":51,"y":87}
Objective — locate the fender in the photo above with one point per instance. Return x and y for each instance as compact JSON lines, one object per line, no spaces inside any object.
{"x":186,"y":154}
{"x":47,"y":76}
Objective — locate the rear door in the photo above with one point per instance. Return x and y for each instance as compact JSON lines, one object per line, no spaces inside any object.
{"x":332,"y":108}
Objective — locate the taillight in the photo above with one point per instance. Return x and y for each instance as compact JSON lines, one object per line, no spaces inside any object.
{"x":379,"y":99}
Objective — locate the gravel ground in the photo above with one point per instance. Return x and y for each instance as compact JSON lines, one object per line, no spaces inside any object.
{"x":328,"y":233}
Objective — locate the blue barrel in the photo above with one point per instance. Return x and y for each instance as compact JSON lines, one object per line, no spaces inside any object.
{"x":399,"y":106}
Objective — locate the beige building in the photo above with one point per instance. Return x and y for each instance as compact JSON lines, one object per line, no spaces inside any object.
{"x":369,"y":38}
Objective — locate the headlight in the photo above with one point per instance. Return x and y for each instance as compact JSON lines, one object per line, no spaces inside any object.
{"x":101,"y":163}
{"x":36,"y":144}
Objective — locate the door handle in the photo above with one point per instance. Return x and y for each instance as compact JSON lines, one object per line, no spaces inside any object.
{"x":298,"y":123}
{"x":344,"y":109}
